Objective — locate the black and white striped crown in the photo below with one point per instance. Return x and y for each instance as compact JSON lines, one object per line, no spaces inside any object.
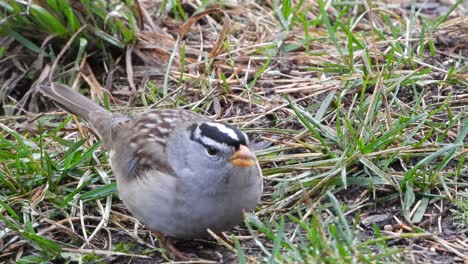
{"x":218,"y":134}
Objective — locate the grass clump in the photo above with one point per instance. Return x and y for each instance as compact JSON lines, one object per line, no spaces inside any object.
{"x":460,"y":213}
{"x":104,"y":23}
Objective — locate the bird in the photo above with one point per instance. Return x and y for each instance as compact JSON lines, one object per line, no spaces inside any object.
{"x":178,"y":172}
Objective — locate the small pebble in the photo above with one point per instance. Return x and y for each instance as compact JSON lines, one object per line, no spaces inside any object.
{"x":388,"y":227}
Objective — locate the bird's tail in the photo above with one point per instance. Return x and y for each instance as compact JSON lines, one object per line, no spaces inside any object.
{"x":71,"y":101}
{"x":101,"y":119}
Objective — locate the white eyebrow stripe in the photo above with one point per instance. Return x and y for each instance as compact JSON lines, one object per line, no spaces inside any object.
{"x":197,"y":132}
{"x":224,"y":129}
{"x":209,"y":142}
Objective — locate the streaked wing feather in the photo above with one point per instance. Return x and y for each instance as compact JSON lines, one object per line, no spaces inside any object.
{"x":147,"y":137}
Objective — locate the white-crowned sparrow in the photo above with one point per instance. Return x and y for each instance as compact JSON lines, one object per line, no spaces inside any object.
{"x":178,"y":172}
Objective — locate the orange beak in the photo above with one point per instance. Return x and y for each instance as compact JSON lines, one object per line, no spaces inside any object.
{"x":243,"y":157}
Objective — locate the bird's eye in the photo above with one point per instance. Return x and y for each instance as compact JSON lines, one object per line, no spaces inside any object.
{"x":211,"y":151}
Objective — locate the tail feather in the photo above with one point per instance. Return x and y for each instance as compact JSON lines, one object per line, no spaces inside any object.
{"x":71,"y":101}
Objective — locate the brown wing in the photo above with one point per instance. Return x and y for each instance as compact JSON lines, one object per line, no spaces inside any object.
{"x":146,"y":137}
